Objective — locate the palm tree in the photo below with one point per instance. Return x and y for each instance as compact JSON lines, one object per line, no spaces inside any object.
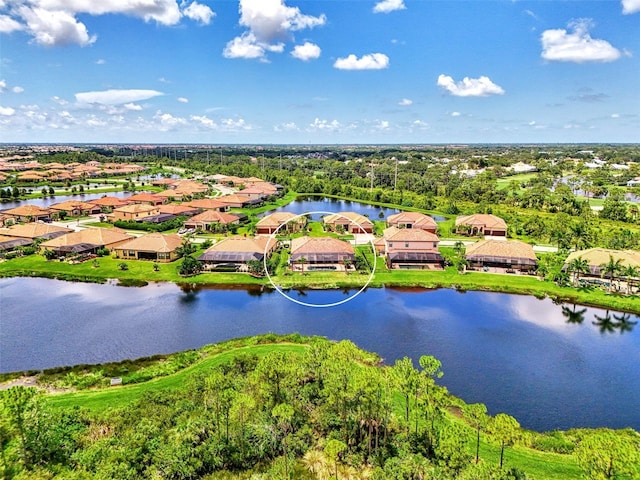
{"x":630,"y":272}
{"x":576,"y":267}
{"x":573,"y":315}
{"x":611,"y":268}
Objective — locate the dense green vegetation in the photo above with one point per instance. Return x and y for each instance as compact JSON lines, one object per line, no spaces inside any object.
{"x":287,"y":407}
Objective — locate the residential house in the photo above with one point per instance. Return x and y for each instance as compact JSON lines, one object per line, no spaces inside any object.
{"x":28,"y":213}
{"x":210,"y":219}
{"x":149,"y":198}
{"x":290,"y":223}
{"x":320,"y":253}
{"x":238,"y":201}
{"x":253,"y":193}
{"x":413,"y":220}
{"x":481,"y":224}
{"x":75,"y":208}
{"x":174,"y":209}
{"x":596,"y":257}
{"x":136,"y":211}
{"x":107,"y":204}
{"x":508,"y":255}
{"x":411,"y":248}
{"x":234,"y":253}
{"x":349,"y":222}
{"x":35,"y":230}
{"x":207,"y":204}
{"x":153,"y":246}
{"x":8,"y":243}
{"x":86,"y":241}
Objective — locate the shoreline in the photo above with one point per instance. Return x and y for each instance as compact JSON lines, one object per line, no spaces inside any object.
{"x":469,"y":282}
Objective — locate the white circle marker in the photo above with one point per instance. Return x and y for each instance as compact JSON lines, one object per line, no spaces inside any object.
{"x":318,"y":305}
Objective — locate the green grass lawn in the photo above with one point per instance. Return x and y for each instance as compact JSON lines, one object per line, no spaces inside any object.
{"x":114,"y":397}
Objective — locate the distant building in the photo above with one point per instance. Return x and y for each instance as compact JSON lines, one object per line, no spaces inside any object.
{"x":481,"y":224}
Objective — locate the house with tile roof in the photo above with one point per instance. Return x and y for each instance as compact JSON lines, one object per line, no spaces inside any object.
{"x":411,"y":249}
{"x":234,"y":253}
{"x":35,"y":230}
{"x":480,"y":224}
{"x":415,"y":220}
{"x":290,"y":223}
{"x":507,"y":255}
{"x":207,"y":220}
{"x":320,"y":253}
{"x":349,"y":222}
{"x":157,"y":247}
{"x":89,"y":240}
{"x":28,"y":213}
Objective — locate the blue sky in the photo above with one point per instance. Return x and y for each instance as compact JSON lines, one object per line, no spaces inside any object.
{"x":330,"y":71}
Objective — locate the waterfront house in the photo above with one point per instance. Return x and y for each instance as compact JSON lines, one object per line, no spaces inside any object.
{"x":175,"y":209}
{"x":411,"y":248}
{"x":596,"y":257}
{"x":414,"y":220}
{"x":107,"y":204}
{"x":233,"y":253}
{"x":320,"y":253}
{"x":238,"y":201}
{"x":35,"y":230}
{"x":349,"y":222}
{"x":501,"y":256}
{"x":86,"y":241}
{"x":481,"y":224}
{"x":8,"y":243}
{"x":153,"y":246}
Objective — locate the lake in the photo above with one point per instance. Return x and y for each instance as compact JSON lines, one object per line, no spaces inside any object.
{"x":46,"y":201}
{"x":322,"y":204}
{"x":551,"y":366}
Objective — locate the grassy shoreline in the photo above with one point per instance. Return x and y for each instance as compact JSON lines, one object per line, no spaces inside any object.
{"x":140,"y":273}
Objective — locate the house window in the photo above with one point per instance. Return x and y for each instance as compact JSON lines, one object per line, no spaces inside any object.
{"x":132,"y":253}
{"x":391,"y":244}
{"x":406,"y":244}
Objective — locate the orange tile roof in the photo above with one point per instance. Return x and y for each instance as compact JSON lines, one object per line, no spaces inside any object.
{"x":33,"y":230}
{"x":343,"y":217}
{"x":416,"y":218}
{"x":316,"y":245}
{"x":93,"y":236}
{"x":234,"y":199}
{"x":206,"y":203}
{"x":501,"y":248}
{"x":144,"y":197}
{"x":136,"y":208}
{"x":482,"y":219}
{"x":243,"y":244}
{"x":276,"y":219}
{"x":109,"y":202}
{"x":211,"y":216}
{"x":27,"y":211}
{"x":394,"y":234}
{"x":154,"y":242}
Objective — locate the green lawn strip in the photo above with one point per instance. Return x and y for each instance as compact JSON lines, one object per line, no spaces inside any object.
{"x":119,"y":396}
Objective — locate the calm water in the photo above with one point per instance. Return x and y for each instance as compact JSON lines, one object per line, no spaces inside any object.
{"x":517,"y":354}
{"x":321,"y":204}
{"x":46,"y":201}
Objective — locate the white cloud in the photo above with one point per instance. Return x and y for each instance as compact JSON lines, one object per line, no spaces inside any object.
{"x":232,"y":124}
{"x":132,"y":106}
{"x":305,"y":52}
{"x":244,"y":46}
{"x":17,"y":89}
{"x":183,"y":100}
{"x":116,"y":97}
{"x":630,"y":6}
{"x":324,"y":125}
{"x":6,"y":111}
{"x":199,"y":13}
{"x":8,"y":24}
{"x":615,"y":115}
{"x":269,"y":22}
{"x":168,"y":121}
{"x":382,"y":125}
{"x":421,"y":125}
{"x":55,"y":22}
{"x":386,"y":6}
{"x":455,"y":114}
{"x":204,"y":121}
{"x":100,"y":61}
{"x":59,"y":101}
{"x":470,"y":87}
{"x":286,"y":127}
{"x":372,"y":61}
{"x":577,"y":46}
{"x":3,"y":85}
{"x":405,"y":102}
{"x":54,"y":28}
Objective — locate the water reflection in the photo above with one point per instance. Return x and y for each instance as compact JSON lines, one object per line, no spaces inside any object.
{"x":548,"y":365}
